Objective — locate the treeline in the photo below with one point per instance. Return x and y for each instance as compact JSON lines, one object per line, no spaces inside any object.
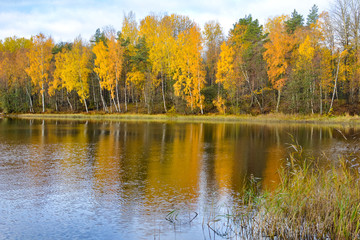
{"x":166,"y":63}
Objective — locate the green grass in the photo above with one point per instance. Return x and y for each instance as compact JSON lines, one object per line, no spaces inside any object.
{"x":268,"y":118}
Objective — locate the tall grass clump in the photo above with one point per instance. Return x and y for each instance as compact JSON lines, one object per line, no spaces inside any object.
{"x":312,"y":201}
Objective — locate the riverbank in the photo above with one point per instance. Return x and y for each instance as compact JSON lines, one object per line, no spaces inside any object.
{"x":268,"y":118}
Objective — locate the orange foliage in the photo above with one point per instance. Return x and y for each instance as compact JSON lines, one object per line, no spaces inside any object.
{"x":278,"y":50}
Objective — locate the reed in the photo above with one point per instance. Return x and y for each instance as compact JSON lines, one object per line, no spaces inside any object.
{"x":312,"y":201}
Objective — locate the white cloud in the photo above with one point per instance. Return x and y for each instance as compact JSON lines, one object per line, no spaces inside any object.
{"x":271,"y":8}
{"x":66,"y":19}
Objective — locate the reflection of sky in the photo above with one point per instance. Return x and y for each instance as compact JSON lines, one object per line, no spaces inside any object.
{"x":119,"y":180}
{"x":66,"y":19}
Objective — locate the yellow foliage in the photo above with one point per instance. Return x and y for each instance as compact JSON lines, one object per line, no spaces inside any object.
{"x":219,"y":103}
{"x":108,"y":64}
{"x":306,"y":51}
{"x":188,"y":70}
{"x":326,"y":69}
{"x":40,"y":56}
{"x":116,"y":52}
{"x":158,"y":33}
{"x":129,"y":28}
{"x":137,"y":78}
{"x":225,"y":67}
{"x":72,"y":70}
{"x":14,"y":60}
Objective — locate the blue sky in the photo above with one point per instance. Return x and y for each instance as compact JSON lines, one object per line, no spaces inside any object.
{"x":64,"y":20}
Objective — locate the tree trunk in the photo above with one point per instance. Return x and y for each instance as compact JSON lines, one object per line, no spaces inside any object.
{"x":117,"y":95}
{"x":87,"y":111}
{"x":82,"y":87}
{"x":95,"y":101}
{"x":278,"y":100}
{"x":132,"y":90}
{"x":56,"y":105}
{"x":237,"y":100}
{"x":103,"y":101}
{"x":110,"y":107}
{"x":116,"y":107}
{"x":43,"y":97}
{"x":312,"y":90}
{"x":68,"y":100}
{"x":251,"y":91}
{"x":30,"y":100}
{"x":321,"y":106}
{"x":162,"y":91}
{"x":147,"y":105}
{"x":199,"y":86}
{"x":125,"y":94}
{"x":102,"y":97}
{"x":336,"y":78}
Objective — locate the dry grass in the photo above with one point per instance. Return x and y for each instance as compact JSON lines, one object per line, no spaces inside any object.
{"x":311,"y":202}
{"x":268,"y":118}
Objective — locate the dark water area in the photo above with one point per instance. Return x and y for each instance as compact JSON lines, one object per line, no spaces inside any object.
{"x":120,"y":180}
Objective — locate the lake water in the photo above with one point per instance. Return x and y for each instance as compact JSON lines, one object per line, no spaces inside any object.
{"x":120,"y":180}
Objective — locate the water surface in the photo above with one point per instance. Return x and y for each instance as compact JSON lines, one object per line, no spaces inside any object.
{"x":120,"y":180}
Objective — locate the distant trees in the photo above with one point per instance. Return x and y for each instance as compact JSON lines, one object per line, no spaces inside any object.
{"x":167,"y":63}
{"x":225,"y":75}
{"x":15,"y":85}
{"x":72,"y":69}
{"x":278,"y":49}
{"x":247,"y":40}
{"x":40,"y":56}
{"x":188,"y":69}
{"x":213,"y":38}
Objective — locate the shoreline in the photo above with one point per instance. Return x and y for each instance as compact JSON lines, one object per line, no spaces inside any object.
{"x":269,"y":118}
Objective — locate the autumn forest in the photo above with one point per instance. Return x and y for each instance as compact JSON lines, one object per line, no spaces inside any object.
{"x":168,"y":64}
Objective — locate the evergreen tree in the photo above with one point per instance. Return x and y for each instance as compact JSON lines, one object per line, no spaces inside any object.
{"x":98,"y":36}
{"x":294,"y":22}
{"x":313,"y":15}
